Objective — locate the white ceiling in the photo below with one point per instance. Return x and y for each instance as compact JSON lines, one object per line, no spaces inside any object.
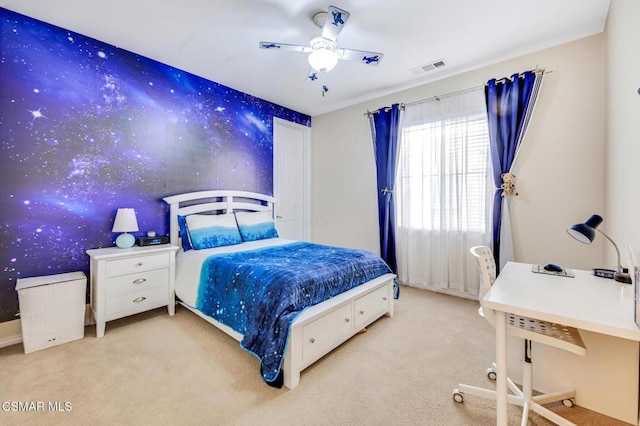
{"x":218,"y":40}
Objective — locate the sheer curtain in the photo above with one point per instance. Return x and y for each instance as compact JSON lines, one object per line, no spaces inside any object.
{"x":443,"y":192}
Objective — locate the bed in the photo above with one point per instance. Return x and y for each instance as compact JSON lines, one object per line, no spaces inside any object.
{"x":336,"y":306}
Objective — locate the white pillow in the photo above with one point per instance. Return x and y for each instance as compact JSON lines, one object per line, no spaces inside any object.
{"x":207,"y":231}
{"x":256,"y":225}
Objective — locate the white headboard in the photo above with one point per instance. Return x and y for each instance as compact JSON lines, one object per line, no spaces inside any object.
{"x":213,"y":201}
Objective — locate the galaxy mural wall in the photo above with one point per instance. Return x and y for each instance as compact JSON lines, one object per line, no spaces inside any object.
{"x":86,"y":127}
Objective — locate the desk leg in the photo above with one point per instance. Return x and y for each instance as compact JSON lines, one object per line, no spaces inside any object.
{"x":501,"y":364}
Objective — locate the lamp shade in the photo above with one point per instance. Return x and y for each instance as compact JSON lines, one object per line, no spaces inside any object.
{"x":585,"y":232}
{"x":323,"y":59}
{"x":125,"y":221}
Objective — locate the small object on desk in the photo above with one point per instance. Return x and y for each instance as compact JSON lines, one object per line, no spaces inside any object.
{"x":542,"y":269}
{"x":552,"y":267}
{"x":603,"y":273}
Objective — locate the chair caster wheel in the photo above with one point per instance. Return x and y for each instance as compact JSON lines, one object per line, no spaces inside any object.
{"x":457,"y":396}
{"x":568,"y":402}
{"x":491,"y":373}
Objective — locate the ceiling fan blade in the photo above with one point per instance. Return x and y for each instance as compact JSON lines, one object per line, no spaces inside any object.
{"x":283,"y":46}
{"x":333,"y":23}
{"x":313,"y":75}
{"x":367,"y":58}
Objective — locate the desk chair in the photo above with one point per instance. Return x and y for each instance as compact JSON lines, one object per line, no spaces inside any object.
{"x":531,"y":330}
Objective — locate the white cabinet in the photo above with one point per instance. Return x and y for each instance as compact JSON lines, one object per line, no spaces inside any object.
{"x":51,"y":309}
{"x":129,"y":281}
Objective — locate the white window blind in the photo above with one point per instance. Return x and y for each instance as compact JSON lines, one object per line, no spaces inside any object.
{"x":444,"y":163}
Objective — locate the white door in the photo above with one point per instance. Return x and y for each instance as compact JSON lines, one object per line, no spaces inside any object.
{"x":291,"y":179}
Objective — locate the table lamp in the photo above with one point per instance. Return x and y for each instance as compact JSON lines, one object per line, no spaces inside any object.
{"x":125,"y":222}
{"x":586,"y":232}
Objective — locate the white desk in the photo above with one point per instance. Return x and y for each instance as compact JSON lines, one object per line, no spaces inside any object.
{"x":584,"y":302}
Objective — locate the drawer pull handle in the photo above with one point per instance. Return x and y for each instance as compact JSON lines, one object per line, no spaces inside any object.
{"x":139,"y":280}
{"x":361,"y":312}
{"x":347,"y":320}
{"x":312,"y":340}
{"x":384,"y":298}
{"x":139,"y":264}
{"x":139,"y":299}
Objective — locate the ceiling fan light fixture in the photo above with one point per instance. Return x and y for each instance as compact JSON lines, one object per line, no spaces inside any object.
{"x":323,"y":59}
{"x":322,"y":50}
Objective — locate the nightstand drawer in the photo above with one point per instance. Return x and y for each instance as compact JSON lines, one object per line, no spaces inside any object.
{"x":140,"y":301}
{"x":137,"y":282}
{"x":136,"y":264}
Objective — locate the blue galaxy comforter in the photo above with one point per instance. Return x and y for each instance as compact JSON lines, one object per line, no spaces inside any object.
{"x":258,"y":293}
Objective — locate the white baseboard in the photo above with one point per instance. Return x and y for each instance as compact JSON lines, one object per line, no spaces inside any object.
{"x":11,"y":340}
{"x":11,"y":333}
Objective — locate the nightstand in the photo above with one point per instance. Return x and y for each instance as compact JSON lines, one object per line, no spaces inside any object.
{"x":129,"y":281}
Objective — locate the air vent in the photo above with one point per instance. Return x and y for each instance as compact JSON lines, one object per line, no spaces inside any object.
{"x":428,"y":67}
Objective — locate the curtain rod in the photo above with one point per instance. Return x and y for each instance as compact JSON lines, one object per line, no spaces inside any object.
{"x":446,"y":95}
{"x":370,"y":113}
{"x":536,"y":70}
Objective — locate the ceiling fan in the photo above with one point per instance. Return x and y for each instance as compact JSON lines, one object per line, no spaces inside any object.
{"x":323,"y":51}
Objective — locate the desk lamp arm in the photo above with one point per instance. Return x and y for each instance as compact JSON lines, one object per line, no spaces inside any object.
{"x":619,"y":275}
{"x":619,"y":265}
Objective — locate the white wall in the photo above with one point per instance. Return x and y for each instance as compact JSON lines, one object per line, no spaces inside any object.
{"x":622,"y":179}
{"x":343,"y":181}
{"x":561,"y":169}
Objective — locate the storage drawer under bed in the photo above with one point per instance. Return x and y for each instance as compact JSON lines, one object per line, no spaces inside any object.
{"x":323,"y":332}
{"x":371,"y":306}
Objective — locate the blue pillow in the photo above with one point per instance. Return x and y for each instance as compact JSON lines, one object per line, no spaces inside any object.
{"x":184,"y":233}
{"x":256,"y":225}
{"x":208,"y":231}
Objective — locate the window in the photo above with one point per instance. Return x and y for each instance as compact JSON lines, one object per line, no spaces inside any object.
{"x":443,"y":192}
{"x":443,"y":173}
